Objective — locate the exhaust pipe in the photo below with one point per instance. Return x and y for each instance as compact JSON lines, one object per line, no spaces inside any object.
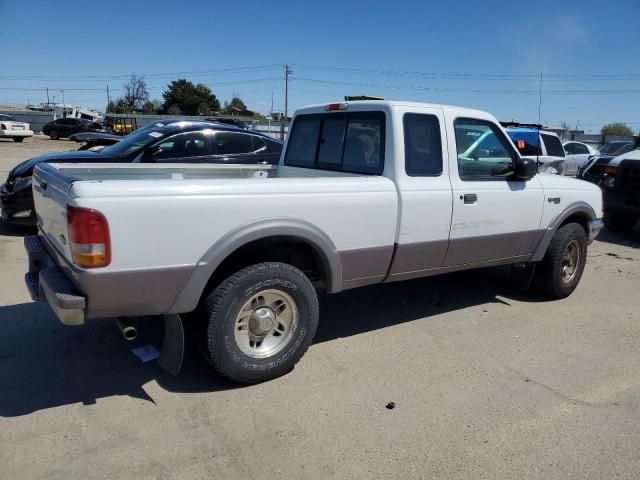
{"x":129,"y":332}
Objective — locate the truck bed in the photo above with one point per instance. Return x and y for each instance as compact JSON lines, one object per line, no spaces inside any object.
{"x":173,"y":217}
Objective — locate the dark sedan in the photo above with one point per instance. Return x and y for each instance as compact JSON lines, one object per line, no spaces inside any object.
{"x":182,"y":142}
{"x":64,"y":127}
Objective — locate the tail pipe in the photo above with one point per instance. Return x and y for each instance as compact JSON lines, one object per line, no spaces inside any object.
{"x":129,"y":332}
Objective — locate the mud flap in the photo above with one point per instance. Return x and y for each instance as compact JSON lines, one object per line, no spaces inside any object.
{"x":522,"y":275}
{"x":172,"y":352}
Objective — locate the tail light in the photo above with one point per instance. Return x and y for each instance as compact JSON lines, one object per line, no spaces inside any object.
{"x":88,"y":237}
{"x":3,"y":126}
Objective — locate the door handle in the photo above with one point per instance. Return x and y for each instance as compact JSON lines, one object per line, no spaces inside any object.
{"x":469,"y":198}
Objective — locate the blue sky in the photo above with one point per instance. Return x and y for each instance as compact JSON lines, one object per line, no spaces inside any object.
{"x":482,"y":54}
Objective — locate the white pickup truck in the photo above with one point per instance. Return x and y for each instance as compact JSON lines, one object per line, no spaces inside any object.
{"x":366,"y":192}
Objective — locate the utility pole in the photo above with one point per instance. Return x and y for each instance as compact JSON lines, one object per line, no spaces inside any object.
{"x":108,"y":98}
{"x":540,"y":102}
{"x":47,"y":89}
{"x":287,"y":72}
{"x":62,"y":97}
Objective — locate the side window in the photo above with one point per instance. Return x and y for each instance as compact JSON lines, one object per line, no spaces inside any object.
{"x":489,"y":157}
{"x":580,"y":149}
{"x":258,"y":143}
{"x":422,"y":145}
{"x":553,"y":145}
{"x":570,"y":148}
{"x":231,"y":143}
{"x":190,"y":144}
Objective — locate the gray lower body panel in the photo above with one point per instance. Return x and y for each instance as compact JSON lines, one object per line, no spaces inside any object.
{"x":108,"y":294}
{"x":463,"y":251}
{"x":364,"y":266}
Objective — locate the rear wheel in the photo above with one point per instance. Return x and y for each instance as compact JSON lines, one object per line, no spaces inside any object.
{"x":53,"y":135}
{"x":559,"y":272}
{"x":619,"y":221}
{"x":260,"y":322}
{"x":18,"y":139}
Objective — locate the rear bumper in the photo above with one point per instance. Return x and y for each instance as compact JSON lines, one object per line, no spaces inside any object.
{"x":15,"y":133}
{"x":46,"y":282}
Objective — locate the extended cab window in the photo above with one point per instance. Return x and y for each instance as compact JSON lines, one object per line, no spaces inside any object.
{"x":490,"y":156}
{"x":422,"y":145}
{"x":348,"y":142}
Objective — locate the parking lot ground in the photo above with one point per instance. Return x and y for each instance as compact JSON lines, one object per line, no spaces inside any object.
{"x":488,"y":382}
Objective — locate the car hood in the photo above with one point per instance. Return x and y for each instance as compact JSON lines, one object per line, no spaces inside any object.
{"x":26,"y":168}
{"x":632,"y":155}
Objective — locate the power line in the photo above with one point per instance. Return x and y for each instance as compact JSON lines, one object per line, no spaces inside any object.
{"x":465,"y":90}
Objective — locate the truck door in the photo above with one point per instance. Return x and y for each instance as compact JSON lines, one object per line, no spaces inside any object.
{"x":494,"y":216}
{"x":424,"y":192}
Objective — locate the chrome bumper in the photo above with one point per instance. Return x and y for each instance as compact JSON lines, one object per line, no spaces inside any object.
{"x":595,"y":226}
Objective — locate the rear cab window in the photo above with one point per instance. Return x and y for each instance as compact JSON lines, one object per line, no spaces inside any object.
{"x":351,"y":142}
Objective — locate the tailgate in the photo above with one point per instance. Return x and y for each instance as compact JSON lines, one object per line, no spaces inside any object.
{"x":50,"y":195}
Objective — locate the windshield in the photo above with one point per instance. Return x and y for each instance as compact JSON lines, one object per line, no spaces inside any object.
{"x":134,"y":142}
{"x":6,"y":118}
{"x":612,"y":147}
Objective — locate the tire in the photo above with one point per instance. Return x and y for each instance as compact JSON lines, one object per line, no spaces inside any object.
{"x":276,"y":294}
{"x":18,"y":139}
{"x":559,"y":272}
{"x":53,"y":135}
{"x":619,"y":221}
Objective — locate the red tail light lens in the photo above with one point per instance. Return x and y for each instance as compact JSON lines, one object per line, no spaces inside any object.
{"x":88,"y":237}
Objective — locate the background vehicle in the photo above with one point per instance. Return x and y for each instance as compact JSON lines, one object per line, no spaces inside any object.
{"x":593,"y":170}
{"x":182,"y":142}
{"x":545,"y":147}
{"x":577,"y":154}
{"x":366,"y":192}
{"x":611,"y":148}
{"x":10,"y":128}
{"x":621,"y":192}
{"x":64,"y":127}
{"x":92,"y":140}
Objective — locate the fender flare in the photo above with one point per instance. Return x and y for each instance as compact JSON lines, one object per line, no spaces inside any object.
{"x":188,"y":298}
{"x":578,"y":207}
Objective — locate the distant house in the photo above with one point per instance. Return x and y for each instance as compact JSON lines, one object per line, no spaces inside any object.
{"x":239,"y":112}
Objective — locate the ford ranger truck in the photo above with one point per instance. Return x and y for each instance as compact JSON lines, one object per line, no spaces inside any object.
{"x":366,"y":192}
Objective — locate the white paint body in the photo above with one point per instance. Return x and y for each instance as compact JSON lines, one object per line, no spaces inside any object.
{"x":171,"y":215}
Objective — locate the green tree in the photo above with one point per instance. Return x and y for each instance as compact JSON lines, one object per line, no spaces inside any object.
{"x":152,"y":107}
{"x":189,"y":99}
{"x":618,"y":128}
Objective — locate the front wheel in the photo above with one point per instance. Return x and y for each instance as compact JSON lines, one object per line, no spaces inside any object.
{"x":260,"y":322}
{"x":559,"y":272}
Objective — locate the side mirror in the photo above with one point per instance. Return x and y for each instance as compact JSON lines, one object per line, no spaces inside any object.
{"x":526,"y":168}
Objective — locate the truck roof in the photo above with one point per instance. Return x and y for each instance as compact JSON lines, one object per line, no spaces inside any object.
{"x":317,"y":108}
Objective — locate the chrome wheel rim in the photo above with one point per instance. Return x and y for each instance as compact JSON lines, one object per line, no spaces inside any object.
{"x":571,"y":261}
{"x":265,"y":323}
